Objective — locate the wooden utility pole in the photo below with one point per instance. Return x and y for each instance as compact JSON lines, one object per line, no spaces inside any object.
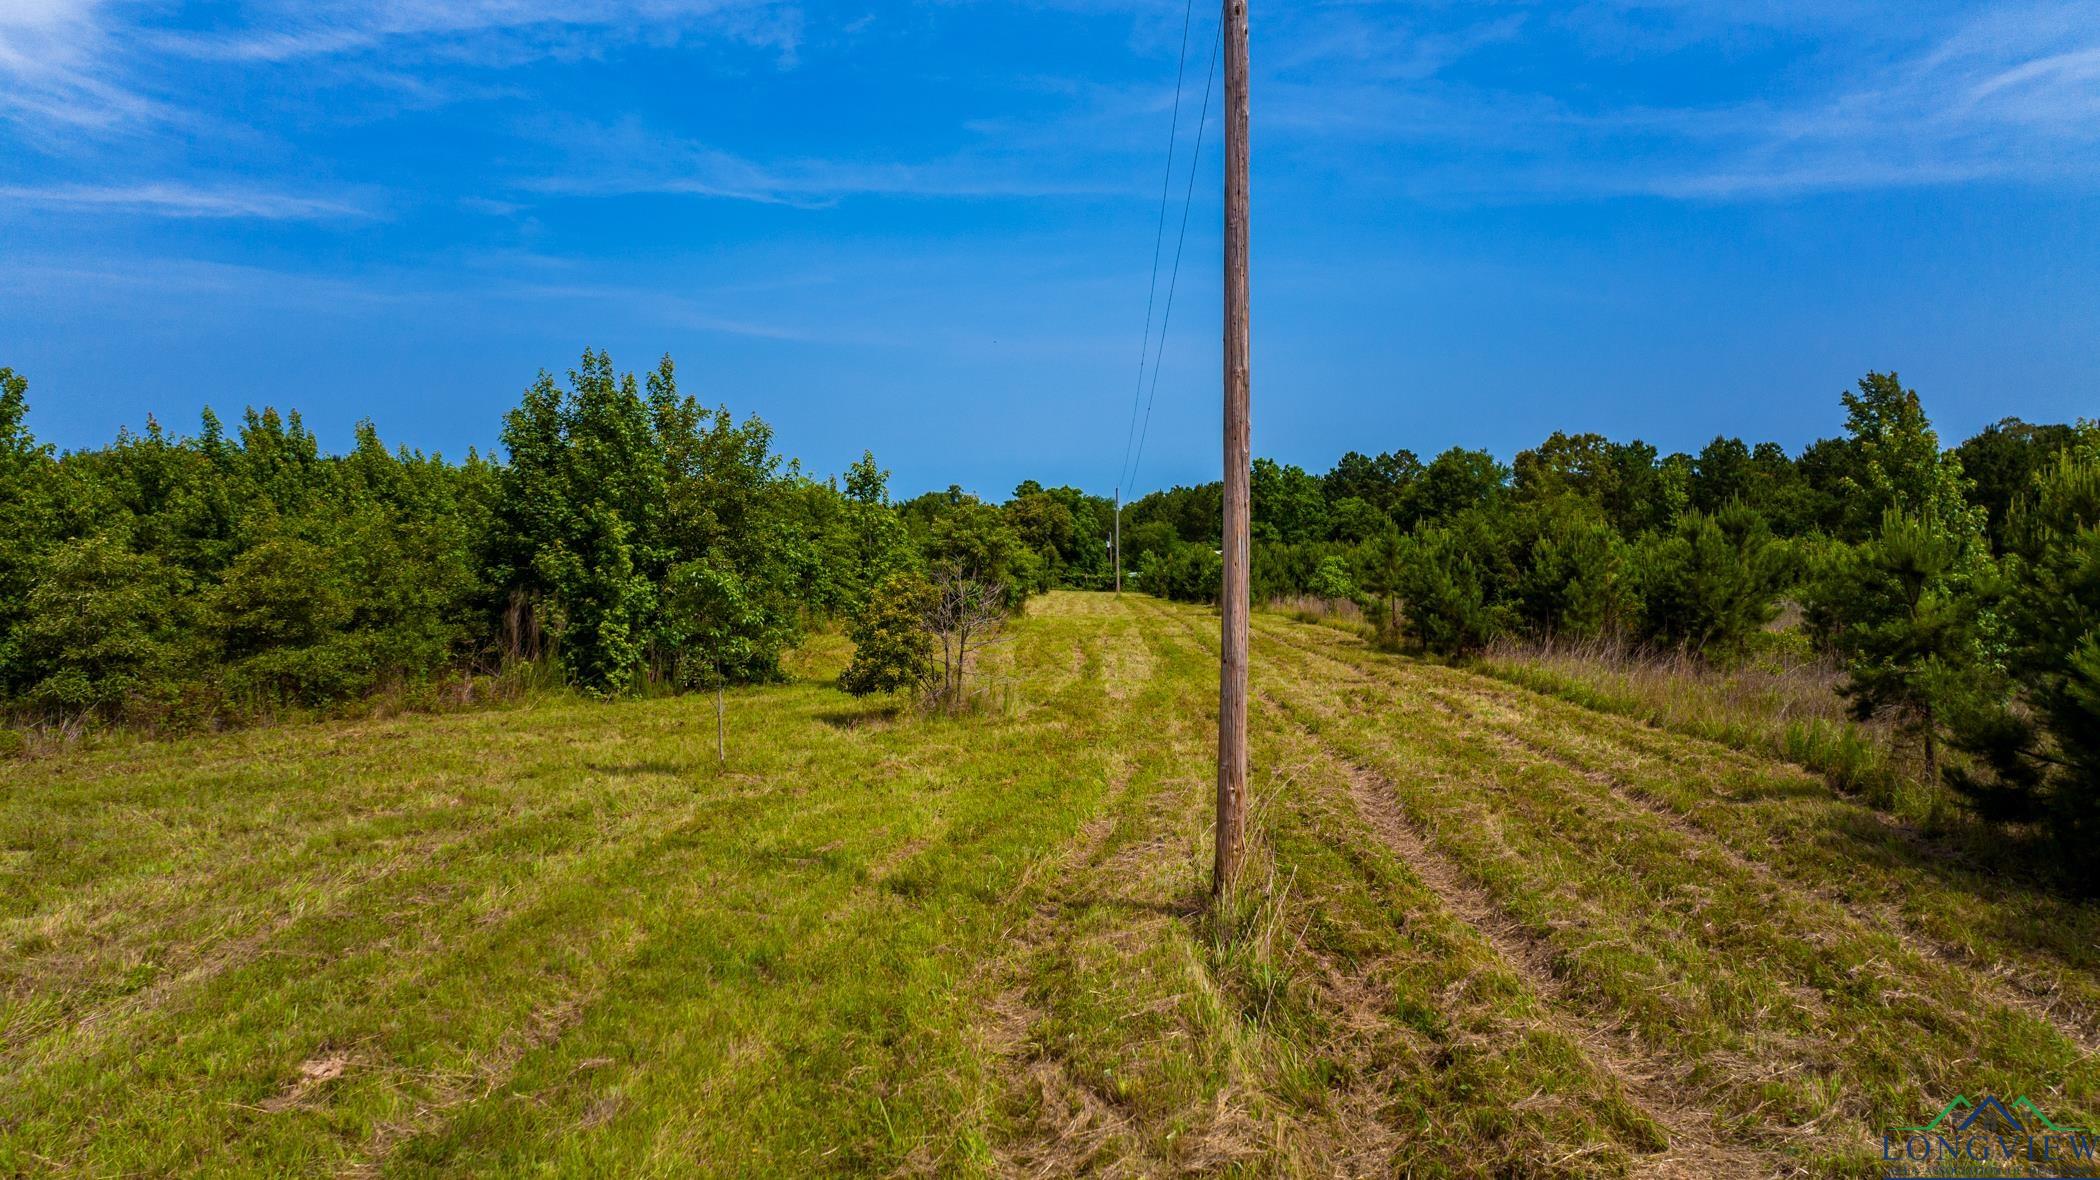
{"x":1239,"y":454}
{"x":1119,"y":541}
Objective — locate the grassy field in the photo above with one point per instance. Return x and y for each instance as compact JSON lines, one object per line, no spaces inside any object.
{"x":1485,"y":932}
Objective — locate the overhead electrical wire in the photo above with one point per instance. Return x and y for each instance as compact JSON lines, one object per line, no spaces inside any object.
{"x":1187,"y":204}
{"x":1159,"y":239}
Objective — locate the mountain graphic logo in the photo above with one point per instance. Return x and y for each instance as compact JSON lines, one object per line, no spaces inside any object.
{"x":1965,"y":1112}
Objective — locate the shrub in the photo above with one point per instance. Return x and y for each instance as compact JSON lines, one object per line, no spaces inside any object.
{"x":892,"y":649}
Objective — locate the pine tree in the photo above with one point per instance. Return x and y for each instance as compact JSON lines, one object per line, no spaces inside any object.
{"x":1906,"y":606}
{"x":1915,"y":639}
{"x":1710,"y":583}
{"x":2047,"y":756}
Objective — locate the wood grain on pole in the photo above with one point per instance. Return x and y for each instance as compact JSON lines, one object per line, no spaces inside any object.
{"x":1239,"y":446}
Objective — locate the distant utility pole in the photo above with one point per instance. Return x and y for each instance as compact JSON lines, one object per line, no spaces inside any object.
{"x":1119,"y":539}
{"x":1239,"y":454}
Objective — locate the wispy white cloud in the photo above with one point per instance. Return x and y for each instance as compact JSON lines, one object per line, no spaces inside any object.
{"x":185,"y":200}
{"x":76,"y":67}
{"x":1440,"y":100}
{"x":279,"y":31}
{"x":57,"y":78}
{"x":2011,"y":93}
{"x":628,"y":159}
{"x":515,"y":285}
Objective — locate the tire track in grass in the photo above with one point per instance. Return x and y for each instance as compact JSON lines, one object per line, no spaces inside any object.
{"x":1874,"y":989}
{"x":1118,"y":911}
{"x":437,"y":922}
{"x":2048,"y":996}
{"x":1093,"y":1015}
{"x":1048,"y":879}
{"x":1500,"y":720}
{"x":440,"y":1074}
{"x":1663,"y":1079}
{"x":2001,"y":984}
{"x":1656,"y":1085}
{"x":1073,"y":1125}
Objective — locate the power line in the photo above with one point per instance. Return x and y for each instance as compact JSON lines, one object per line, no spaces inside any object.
{"x":1159,"y":237}
{"x":1187,"y":205}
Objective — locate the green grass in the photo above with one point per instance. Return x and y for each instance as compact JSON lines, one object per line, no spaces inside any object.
{"x":1483,"y":932}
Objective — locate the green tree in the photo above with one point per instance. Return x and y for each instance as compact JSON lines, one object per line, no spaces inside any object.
{"x":1573,"y":581}
{"x":1449,"y":586}
{"x":1379,"y":482}
{"x":601,"y":605}
{"x":2002,"y":464}
{"x":1456,"y":481}
{"x":1381,"y":576}
{"x":880,"y":544}
{"x":2044,"y":745}
{"x":1899,"y":465}
{"x":892,"y":649}
{"x":1723,"y":474}
{"x":1182,"y":572}
{"x":1288,"y":505}
{"x":1354,"y":521}
{"x":1904,"y":607}
{"x":611,"y":497}
{"x":719,"y":630}
{"x":1912,"y":637}
{"x":1048,"y":529}
{"x":100,"y":632}
{"x":1711,"y":583}
{"x":281,"y":615}
{"x":1565,"y":465}
{"x":26,"y":472}
{"x":1332,"y":580}
{"x":978,"y":542}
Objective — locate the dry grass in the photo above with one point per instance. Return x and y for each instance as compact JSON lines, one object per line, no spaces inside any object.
{"x":1780,"y":704}
{"x":1341,"y":613}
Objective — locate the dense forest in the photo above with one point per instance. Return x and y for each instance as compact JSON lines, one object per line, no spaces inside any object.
{"x":631,"y":540}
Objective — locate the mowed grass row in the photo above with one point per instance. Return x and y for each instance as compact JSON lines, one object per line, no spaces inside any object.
{"x":1335,"y":1020}
{"x":2036,"y":941}
{"x":1482,"y":934}
{"x":1682,"y":891}
{"x":559,"y":935}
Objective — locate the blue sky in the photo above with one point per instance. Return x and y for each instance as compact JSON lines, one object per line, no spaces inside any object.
{"x":927,"y":228}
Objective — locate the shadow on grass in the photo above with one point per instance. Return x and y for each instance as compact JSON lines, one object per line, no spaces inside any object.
{"x":1747,"y":788}
{"x":880,"y":717}
{"x":1993,"y":867}
{"x":1187,"y":907}
{"x":654,"y":767}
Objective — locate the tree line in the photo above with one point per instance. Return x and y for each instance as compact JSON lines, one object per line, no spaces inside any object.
{"x":1959,"y":588}
{"x":629,"y":540}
